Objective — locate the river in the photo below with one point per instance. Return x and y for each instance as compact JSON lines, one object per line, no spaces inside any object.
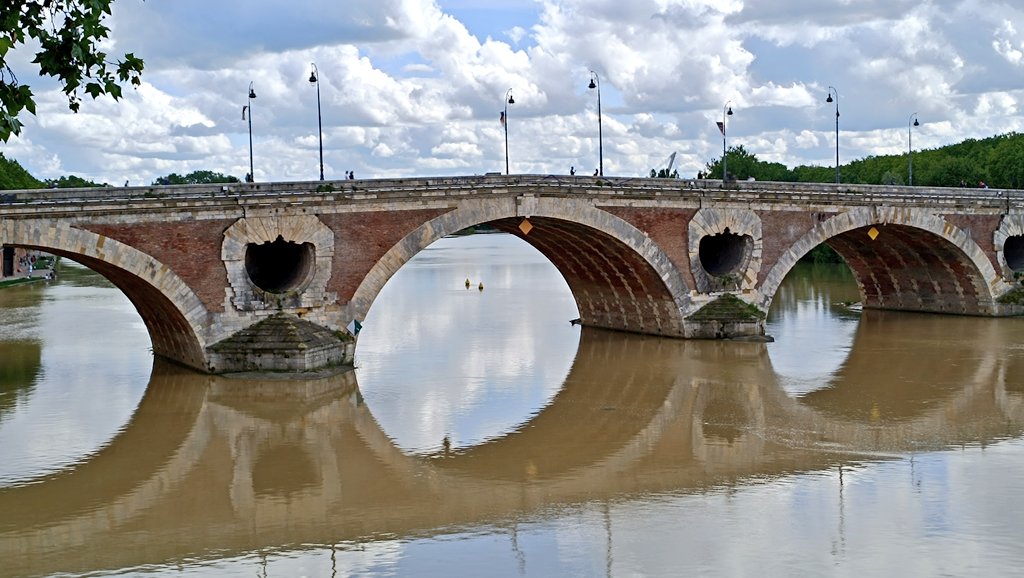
{"x":483,"y":434}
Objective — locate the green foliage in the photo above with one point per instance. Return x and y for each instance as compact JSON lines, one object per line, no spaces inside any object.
{"x":1014,"y":297}
{"x":997,"y":161}
{"x":728,"y":307}
{"x":68,"y":34}
{"x":13,"y":176}
{"x":72,"y":182}
{"x":740,"y":164}
{"x":814,"y":174}
{"x":196,"y":178}
{"x":823,"y":254}
{"x":892,"y":178}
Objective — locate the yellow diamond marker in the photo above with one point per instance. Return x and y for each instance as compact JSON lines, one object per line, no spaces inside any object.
{"x":525,"y":226}
{"x":873,"y":233}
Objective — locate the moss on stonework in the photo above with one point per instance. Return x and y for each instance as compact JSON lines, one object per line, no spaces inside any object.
{"x":1014,"y":297}
{"x":280,"y":333}
{"x":728,"y":307}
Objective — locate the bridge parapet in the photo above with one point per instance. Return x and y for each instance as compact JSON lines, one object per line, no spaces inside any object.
{"x":249,"y":194}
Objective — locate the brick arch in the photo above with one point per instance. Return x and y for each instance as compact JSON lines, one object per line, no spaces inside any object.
{"x":173,"y":314}
{"x":919,"y":262}
{"x":619,"y":277}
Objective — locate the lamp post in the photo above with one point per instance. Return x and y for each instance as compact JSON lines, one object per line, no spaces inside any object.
{"x":595,"y":82}
{"x":726,"y":111}
{"x":831,"y":91}
{"x":911,"y":123}
{"x":248,"y":107}
{"x":504,"y":122}
{"x":313,"y":79}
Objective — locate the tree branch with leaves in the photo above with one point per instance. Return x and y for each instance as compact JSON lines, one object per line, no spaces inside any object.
{"x":69,"y":33}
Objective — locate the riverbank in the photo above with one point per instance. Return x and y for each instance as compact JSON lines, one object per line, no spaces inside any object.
{"x":45,"y":269}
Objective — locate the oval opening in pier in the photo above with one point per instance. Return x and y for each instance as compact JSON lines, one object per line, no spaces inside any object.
{"x":279,"y":266}
{"x":724,"y":253}
{"x":1013,"y":251}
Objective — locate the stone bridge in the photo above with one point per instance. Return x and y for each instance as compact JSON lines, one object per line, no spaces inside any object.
{"x":276,"y":276}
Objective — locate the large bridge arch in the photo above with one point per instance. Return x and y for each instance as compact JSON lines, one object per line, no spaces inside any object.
{"x":173,"y":314}
{"x":918,"y":262}
{"x":618,"y":276}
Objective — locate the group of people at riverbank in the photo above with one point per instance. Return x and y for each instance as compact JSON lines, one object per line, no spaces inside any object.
{"x":25,"y":264}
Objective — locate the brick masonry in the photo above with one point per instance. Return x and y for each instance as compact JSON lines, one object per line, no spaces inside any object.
{"x":191,"y":249}
{"x":628,"y":248}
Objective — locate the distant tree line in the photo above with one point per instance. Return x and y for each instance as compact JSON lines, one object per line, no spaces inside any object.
{"x":196,"y":178}
{"x":996,"y":161}
{"x":13,"y":176}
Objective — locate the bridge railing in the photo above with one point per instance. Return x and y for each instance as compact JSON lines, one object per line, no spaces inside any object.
{"x":828,"y":194}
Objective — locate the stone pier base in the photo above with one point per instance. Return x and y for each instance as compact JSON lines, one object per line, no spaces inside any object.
{"x":727,"y":317}
{"x":281,"y":343}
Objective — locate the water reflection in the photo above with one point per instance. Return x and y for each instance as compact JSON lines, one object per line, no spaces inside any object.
{"x":903,"y":365}
{"x":812,"y":325}
{"x":444,"y":363}
{"x":18,"y":372}
{"x":20,"y":355}
{"x":212,"y":469}
{"x":78,"y":357}
{"x":568,"y":452}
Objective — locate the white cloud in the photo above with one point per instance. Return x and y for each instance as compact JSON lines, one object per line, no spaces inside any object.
{"x":999,"y":104}
{"x":1006,"y":43}
{"x":407,"y":88}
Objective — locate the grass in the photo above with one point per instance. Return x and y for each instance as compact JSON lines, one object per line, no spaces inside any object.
{"x":18,"y":281}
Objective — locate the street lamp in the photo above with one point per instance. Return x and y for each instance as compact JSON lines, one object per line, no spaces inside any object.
{"x":911,"y":123}
{"x":831,"y":91}
{"x":726,"y":111}
{"x":504,"y":122}
{"x":319,"y":119}
{"x":595,"y":82}
{"x":248,"y":107}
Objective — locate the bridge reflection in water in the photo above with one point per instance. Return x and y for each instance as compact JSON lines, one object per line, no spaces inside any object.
{"x":211,"y":468}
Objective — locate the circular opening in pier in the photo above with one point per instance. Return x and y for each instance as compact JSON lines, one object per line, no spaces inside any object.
{"x":1013,"y":250}
{"x":724,"y":253}
{"x":280,"y":266}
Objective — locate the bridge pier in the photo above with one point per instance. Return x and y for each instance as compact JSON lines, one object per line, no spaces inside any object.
{"x":725,"y":317}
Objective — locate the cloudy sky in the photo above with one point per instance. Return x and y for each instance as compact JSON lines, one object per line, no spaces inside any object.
{"x":416,"y":87}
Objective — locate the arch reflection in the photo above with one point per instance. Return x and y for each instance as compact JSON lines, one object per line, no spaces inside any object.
{"x":211,"y":468}
{"x":21,"y":365}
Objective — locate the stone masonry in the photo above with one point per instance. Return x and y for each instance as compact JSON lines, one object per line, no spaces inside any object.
{"x":651,"y":256}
